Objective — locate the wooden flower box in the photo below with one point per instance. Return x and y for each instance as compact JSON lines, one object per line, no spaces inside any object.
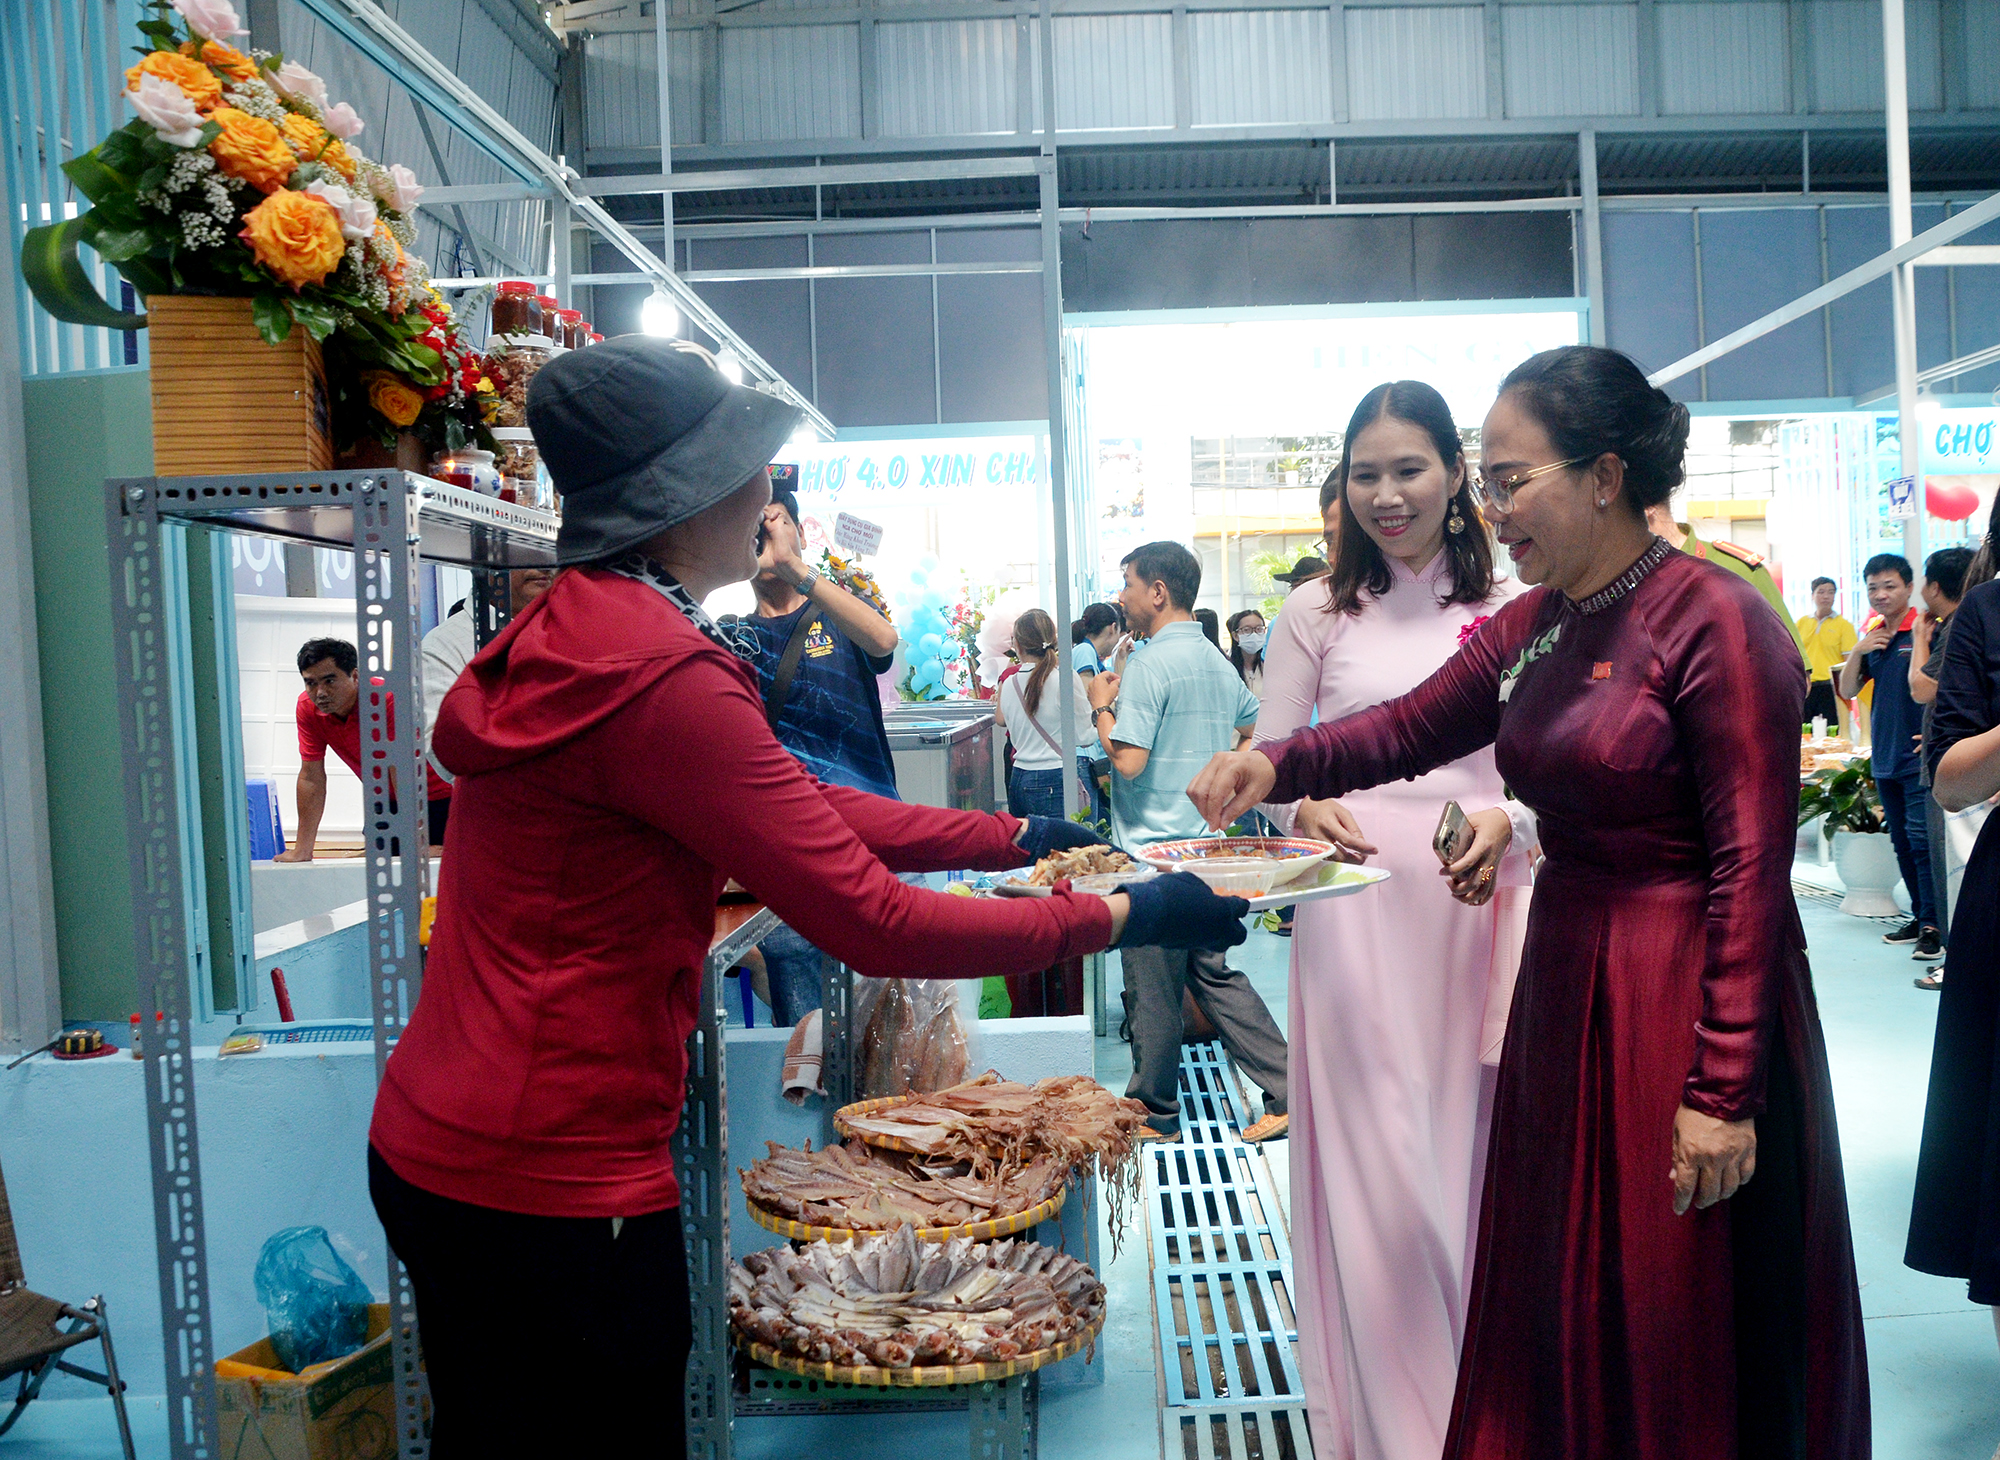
{"x":225,"y":402}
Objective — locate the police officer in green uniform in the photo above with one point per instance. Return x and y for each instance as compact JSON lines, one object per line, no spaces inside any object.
{"x":1741,"y":561}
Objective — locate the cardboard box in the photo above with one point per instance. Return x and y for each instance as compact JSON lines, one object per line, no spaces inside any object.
{"x":343,"y":1412}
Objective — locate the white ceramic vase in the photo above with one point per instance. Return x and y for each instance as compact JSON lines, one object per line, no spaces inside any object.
{"x":1866,"y":862}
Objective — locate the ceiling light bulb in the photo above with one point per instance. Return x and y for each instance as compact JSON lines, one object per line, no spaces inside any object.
{"x":730,"y":366}
{"x":657,"y":316}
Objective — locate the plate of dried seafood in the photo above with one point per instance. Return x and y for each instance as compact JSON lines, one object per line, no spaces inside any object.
{"x":1087,"y":869}
{"x":845,"y":1191}
{"x":891,"y":1310}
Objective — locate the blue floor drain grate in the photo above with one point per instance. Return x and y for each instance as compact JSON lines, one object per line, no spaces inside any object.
{"x":1222,"y":1277}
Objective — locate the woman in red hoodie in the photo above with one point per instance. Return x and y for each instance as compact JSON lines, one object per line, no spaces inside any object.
{"x":614,"y":768}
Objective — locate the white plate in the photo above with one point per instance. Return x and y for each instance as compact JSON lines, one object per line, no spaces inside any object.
{"x":1329,"y":879}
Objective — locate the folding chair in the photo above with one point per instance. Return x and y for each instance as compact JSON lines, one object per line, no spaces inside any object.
{"x":33,"y":1338}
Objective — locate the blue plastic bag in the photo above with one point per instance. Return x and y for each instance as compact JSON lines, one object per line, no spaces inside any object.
{"x":316,"y":1303}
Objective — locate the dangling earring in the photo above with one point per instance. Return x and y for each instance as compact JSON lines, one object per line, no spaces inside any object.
{"x":1454,"y":524}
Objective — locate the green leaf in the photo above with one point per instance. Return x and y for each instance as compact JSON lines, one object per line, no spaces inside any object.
{"x":95,"y":178}
{"x":152,"y":179}
{"x":119,"y":153}
{"x":318,"y":319}
{"x":272,"y":318}
{"x":157,"y":28}
{"x":147,"y":276}
{"x":57,"y":278}
{"x":115,"y":246}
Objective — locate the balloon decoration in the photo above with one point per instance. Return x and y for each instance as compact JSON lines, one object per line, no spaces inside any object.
{"x":1950,"y":500}
{"x":941,"y":635}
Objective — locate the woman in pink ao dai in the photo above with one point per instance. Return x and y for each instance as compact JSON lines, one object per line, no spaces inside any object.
{"x":1399,"y":993}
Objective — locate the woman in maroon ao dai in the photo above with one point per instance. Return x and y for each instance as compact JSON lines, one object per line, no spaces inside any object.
{"x":1665,"y":1270}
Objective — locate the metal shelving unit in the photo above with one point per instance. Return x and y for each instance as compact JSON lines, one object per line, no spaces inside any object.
{"x":391,"y":521}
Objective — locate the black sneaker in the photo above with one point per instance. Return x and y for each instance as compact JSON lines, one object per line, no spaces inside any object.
{"x":1908,"y":933}
{"x":1930,"y":947}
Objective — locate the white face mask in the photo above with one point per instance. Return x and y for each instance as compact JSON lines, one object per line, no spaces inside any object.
{"x":1250,"y":643}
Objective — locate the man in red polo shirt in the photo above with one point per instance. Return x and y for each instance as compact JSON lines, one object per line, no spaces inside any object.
{"x":329,"y":718}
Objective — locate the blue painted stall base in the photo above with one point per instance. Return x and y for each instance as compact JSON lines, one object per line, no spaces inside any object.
{"x":1222,"y":1277}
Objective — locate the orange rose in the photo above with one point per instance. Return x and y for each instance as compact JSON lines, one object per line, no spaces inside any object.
{"x":250,"y":148}
{"x":296,"y":236}
{"x":226,"y":59}
{"x":395,"y":400}
{"x":313,"y":143}
{"x":188,"y":74}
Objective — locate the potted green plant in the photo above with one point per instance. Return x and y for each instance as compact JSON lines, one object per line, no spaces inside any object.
{"x":1863,"y":855}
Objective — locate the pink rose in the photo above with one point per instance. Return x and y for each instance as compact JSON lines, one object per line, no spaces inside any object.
{"x":300,"y":84}
{"x":1465,"y":633}
{"x":167,"y":109}
{"x":356,"y":213}
{"x":213,"y":20}
{"x":343,"y":121}
{"x":401,"y":190}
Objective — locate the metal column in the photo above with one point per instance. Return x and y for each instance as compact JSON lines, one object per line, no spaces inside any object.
{"x":1058,"y":484}
{"x":154,"y":801}
{"x":1593,"y":235}
{"x":387,"y":632}
{"x":1903,"y":282}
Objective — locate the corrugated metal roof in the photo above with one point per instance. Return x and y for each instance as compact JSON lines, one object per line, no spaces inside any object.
{"x":467,"y":40}
{"x":1571,"y":60}
{"x":951,"y":77}
{"x":791,"y":81}
{"x":1847,"y":54}
{"x":1724,"y":58}
{"x":1113,"y":71}
{"x":1533,"y":164}
{"x":1416,"y":61}
{"x":1261,"y":66}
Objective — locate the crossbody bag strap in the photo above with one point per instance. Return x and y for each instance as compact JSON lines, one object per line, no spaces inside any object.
{"x":1062,"y":761}
{"x":788,"y":667}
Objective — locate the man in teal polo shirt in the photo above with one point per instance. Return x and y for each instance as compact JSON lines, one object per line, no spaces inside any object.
{"x":1177,"y":703}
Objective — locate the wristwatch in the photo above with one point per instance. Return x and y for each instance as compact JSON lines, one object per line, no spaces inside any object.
{"x":1110,"y":709}
{"x":805,"y":585}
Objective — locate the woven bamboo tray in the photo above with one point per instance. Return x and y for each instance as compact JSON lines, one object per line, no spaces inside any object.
{"x":870,"y":1107}
{"x":987,"y":1231}
{"x":223,"y":400}
{"x":920,"y":1376}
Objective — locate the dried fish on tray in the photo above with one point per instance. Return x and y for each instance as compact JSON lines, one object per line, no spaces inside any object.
{"x":990,"y":1123}
{"x":891,"y":1303}
{"x":854,"y":1188}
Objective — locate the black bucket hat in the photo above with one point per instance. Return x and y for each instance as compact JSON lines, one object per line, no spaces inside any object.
{"x":640,"y":434}
{"x":1304,"y":570}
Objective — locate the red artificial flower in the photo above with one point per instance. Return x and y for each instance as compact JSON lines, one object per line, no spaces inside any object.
{"x":1465,"y":633}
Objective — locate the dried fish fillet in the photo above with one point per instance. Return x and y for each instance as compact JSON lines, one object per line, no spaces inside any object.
{"x":890,"y":1301}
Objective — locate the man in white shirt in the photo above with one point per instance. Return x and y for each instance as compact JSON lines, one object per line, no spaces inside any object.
{"x":448,"y":648}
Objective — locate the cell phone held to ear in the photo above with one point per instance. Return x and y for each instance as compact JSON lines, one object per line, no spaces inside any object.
{"x":1453,"y":837}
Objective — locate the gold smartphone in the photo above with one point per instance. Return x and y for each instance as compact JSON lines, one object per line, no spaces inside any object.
{"x":1453,"y":837}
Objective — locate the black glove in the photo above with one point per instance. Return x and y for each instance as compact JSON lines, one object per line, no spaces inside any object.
{"x":1047,"y":834}
{"x":1181,"y":911}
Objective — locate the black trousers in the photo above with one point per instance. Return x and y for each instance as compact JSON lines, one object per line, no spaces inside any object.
{"x":544,"y":1335}
{"x":1820,"y":701}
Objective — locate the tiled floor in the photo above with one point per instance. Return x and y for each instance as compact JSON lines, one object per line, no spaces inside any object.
{"x":1933,"y":1361}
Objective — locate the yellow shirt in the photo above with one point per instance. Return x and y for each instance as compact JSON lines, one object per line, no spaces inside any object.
{"x":1827,"y":642}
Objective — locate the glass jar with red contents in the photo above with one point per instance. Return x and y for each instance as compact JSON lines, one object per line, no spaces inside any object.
{"x":516,"y":309}
{"x":573,"y":331}
{"x":551,"y":325}
{"x":597,"y":339}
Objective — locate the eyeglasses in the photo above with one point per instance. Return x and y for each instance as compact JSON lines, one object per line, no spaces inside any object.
{"x":1500,"y":495}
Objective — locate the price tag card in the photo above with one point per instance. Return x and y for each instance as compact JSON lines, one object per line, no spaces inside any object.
{"x":1902,"y":497}
{"x":858,"y":535}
